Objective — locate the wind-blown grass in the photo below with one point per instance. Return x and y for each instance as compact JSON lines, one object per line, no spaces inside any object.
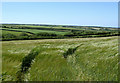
{"x":95,"y":60}
{"x":27,"y":62}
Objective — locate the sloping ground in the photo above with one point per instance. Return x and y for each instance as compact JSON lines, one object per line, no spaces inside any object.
{"x":96,"y":59}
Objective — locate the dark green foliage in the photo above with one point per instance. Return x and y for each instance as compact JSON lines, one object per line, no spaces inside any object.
{"x":26,"y":63}
{"x":4,"y":74}
{"x":9,"y":36}
{"x":86,"y":34}
{"x":70,"y":51}
{"x":4,"y":27}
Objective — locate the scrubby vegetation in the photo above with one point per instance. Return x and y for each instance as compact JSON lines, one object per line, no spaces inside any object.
{"x":70,"y":51}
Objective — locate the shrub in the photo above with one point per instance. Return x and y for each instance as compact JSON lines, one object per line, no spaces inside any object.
{"x":70,"y":51}
{"x":8,"y":35}
{"x":26,"y":63}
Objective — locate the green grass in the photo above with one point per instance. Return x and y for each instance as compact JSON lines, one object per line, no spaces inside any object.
{"x":61,"y":27}
{"x":38,"y":31}
{"x":95,"y":60}
{"x":66,"y":28}
{"x":31,"y":26}
{"x":11,"y":32}
{"x":12,"y":55}
{"x":0,"y":60}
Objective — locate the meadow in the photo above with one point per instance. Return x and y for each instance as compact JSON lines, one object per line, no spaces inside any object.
{"x":31,"y":31}
{"x":35,"y":31}
{"x":75,"y":59}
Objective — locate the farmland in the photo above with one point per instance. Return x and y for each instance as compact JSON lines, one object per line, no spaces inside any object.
{"x":59,"y":41}
{"x":32,"y":31}
{"x":76,"y":59}
{"x":60,"y":53}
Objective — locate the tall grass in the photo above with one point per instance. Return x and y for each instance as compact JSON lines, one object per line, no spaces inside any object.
{"x":27,"y":62}
{"x":12,"y":54}
{"x":95,"y":60}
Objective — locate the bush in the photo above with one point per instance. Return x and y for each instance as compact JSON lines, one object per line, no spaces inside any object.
{"x":26,"y":63}
{"x":8,"y":36}
{"x":70,"y":51}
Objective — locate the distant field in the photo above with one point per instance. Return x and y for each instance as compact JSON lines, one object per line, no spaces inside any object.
{"x":31,"y":26}
{"x":11,"y":32}
{"x":60,"y":27}
{"x":30,"y":31}
{"x":52,"y":27}
{"x":35,"y":31}
{"x":96,"y":59}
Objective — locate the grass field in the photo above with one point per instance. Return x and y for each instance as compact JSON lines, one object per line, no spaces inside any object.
{"x":11,"y":32}
{"x":35,"y":31}
{"x":96,"y":59}
{"x":31,"y":26}
{"x":30,"y":32}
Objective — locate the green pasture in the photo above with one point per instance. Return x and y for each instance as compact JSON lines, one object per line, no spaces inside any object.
{"x":10,"y":32}
{"x":35,"y":31}
{"x":33,"y":26}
